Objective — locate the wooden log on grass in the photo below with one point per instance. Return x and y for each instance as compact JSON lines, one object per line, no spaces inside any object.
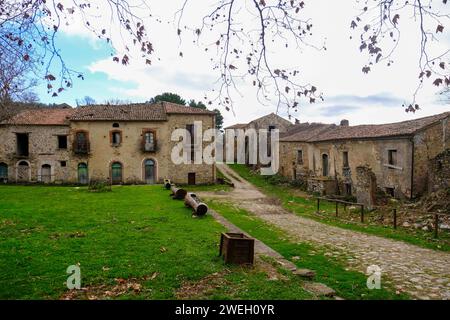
{"x":167,"y":184}
{"x":191,"y":200}
{"x":177,"y":193}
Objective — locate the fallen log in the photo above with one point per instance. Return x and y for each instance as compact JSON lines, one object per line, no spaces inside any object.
{"x":177,"y":193}
{"x":191,"y":200}
{"x":167,"y":184}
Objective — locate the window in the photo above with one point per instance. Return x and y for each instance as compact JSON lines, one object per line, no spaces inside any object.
{"x":345,"y":159}
{"x":22,"y":144}
{"x":62,"y":142}
{"x":299,"y":156}
{"x":325,"y":165}
{"x":149,"y":141}
{"x":116,"y":138}
{"x":294,"y":174}
{"x":3,"y":171}
{"x":392,"y":157}
{"x":83,"y":173}
{"x":81,"y":143}
{"x":116,"y":125}
{"x":190,"y":129}
{"x":63,"y":163}
{"x":116,"y":173}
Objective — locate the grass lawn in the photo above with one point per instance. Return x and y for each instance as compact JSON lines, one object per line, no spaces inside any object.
{"x":133,"y":232}
{"x":307,"y":208}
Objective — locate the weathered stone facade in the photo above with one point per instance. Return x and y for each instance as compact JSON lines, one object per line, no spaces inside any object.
{"x":102,"y":158}
{"x":398,"y":155}
{"x":439,"y":172}
{"x":43,"y":150}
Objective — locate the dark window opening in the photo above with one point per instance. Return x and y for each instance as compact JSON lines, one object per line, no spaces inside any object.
{"x":191,"y":178}
{"x":63,"y":163}
{"x":392,"y":157}
{"x":348,"y":189}
{"x":116,"y":138}
{"x":62,"y":142}
{"x":345,"y":159}
{"x":294,"y":173}
{"x":299,"y":156}
{"x":22,"y":144}
{"x":116,"y":125}
{"x":325,"y":165}
{"x":390,"y":192}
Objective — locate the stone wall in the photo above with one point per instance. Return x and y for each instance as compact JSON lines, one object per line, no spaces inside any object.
{"x":439,"y":172}
{"x":427,"y":145}
{"x":366,"y":185}
{"x":43,"y":150}
{"x":130,"y":154}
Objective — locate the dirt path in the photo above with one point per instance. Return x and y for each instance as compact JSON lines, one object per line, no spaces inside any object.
{"x":423,"y":273}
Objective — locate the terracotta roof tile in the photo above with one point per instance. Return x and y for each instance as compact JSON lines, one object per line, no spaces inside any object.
{"x":134,"y":112}
{"x":129,"y":112}
{"x":304,"y":131}
{"x":316,"y":132}
{"x":178,"y":108}
{"x":237,"y":126}
{"x":42,"y":116}
{"x":404,"y":128}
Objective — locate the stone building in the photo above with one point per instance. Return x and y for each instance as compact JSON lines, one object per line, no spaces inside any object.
{"x":268,"y":122}
{"x":121,"y":144}
{"x":340,"y":159}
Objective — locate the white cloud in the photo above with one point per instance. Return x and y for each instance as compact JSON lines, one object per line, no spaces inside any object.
{"x":336,"y":71}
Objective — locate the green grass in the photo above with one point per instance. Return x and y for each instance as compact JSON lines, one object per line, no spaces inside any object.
{"x":131,"y":232}
{"x":307,"y":208}
{"x":348,"y":284}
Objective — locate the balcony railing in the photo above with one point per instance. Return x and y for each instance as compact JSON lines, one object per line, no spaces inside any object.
{"x":148,"y":147}
{"x":81,"y":147}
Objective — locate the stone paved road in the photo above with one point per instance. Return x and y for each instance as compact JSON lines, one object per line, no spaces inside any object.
{"x":423,"y":273}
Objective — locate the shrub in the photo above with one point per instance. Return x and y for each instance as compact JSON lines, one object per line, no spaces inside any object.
{"x":99,"y":186}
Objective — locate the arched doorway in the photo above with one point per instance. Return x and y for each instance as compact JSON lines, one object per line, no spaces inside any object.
{"x":83,"y":177}
{"x":149,"y":171}
{"x":116,"y":173}
{"x":23,"y":171}
{"x":46,"y":173}
{"x":325,"y":165}
{"x":3,"y":172}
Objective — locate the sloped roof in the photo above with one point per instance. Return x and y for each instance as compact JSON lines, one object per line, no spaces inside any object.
{"x":134,"y":112}
{"x":316,"y":132}
{"x":404,"y":128}
{"x":237,"y":126}
{"x":304,"y":132}
{"x":178,"y":108}
{"x":41,"y":116}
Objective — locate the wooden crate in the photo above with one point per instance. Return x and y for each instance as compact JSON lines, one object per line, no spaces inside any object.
{"x":237,"y":248}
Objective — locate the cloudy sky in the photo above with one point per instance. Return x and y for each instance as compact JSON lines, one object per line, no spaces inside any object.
{"x":376,"y":97}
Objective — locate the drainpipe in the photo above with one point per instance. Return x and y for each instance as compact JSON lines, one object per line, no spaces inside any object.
{"x":412,"y":168}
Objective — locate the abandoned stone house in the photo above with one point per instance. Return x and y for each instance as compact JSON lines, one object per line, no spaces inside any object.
{"x":121,"y":144}
{"x":268,"y":122}
{"x":361,"y":160}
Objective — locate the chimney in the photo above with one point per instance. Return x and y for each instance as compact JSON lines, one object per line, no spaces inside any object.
{"x":344,"y":123}
{"x":297,"y":121}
